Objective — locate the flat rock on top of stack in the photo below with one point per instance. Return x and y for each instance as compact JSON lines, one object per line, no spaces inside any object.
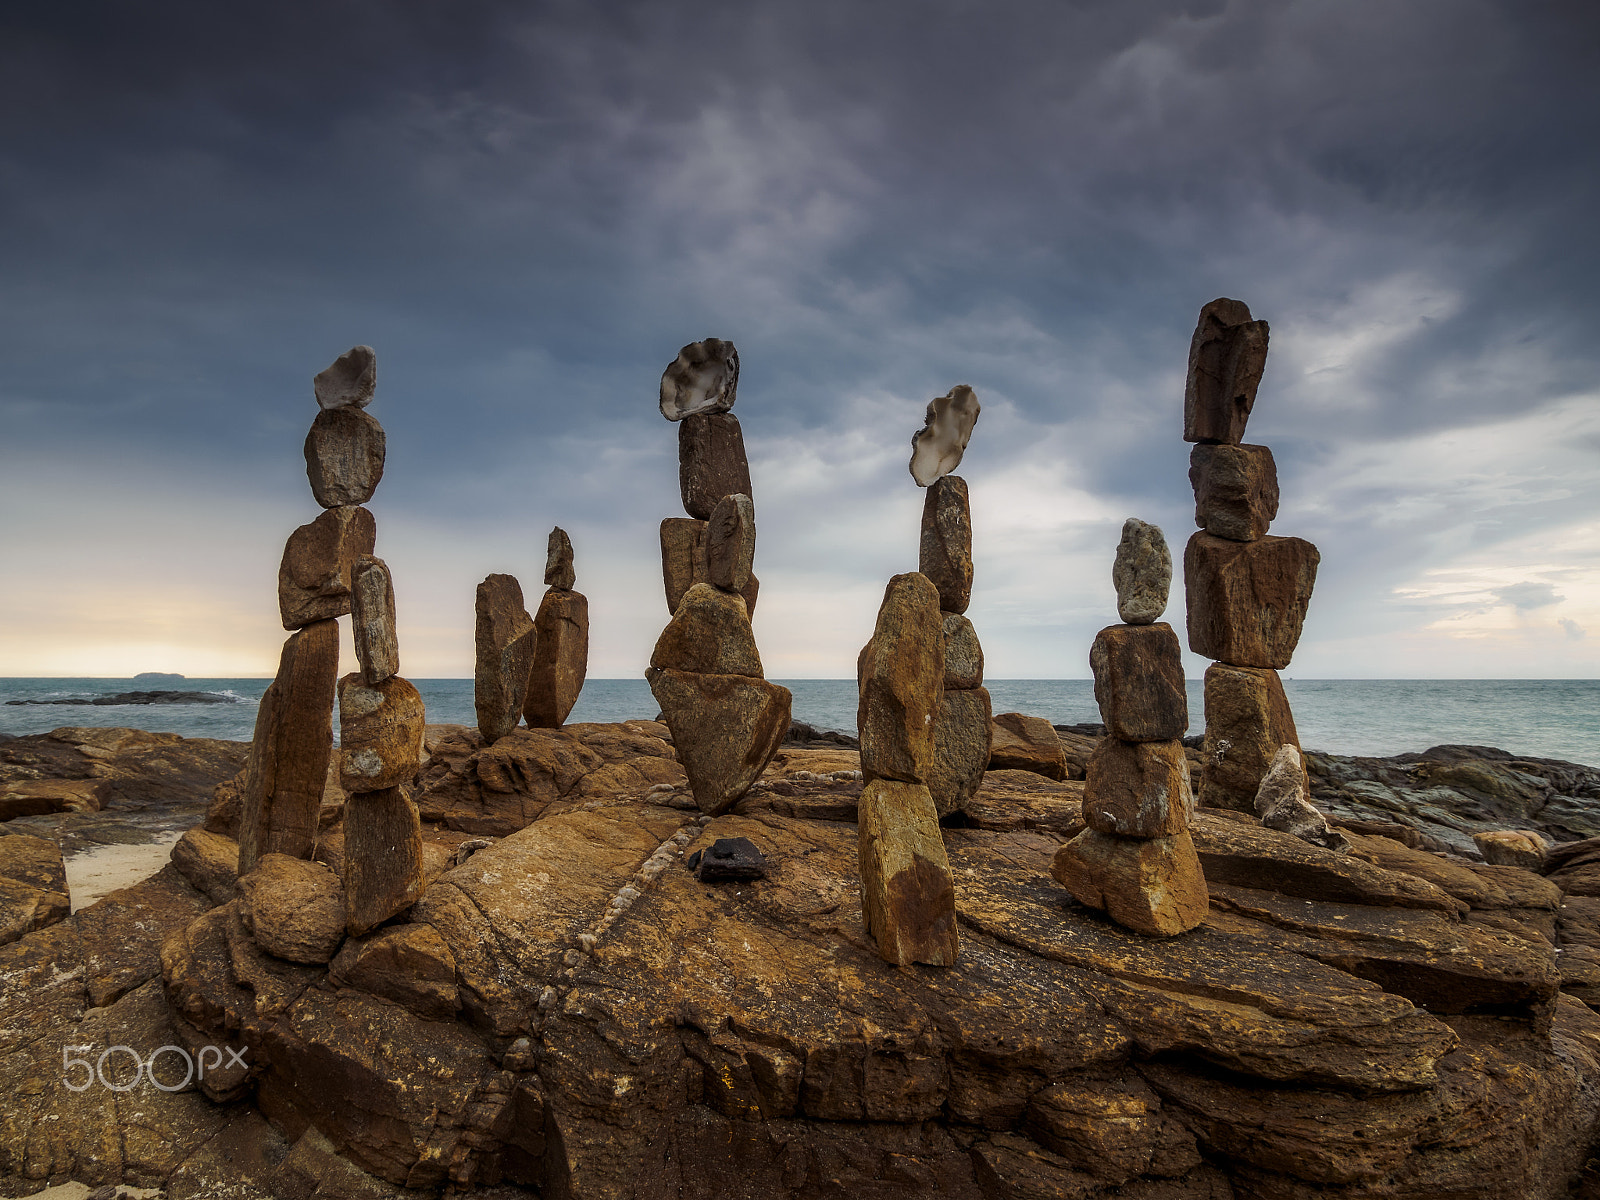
{"x":704,"y":378}
{"x":937,"y":447}
{"x":349,"y":382}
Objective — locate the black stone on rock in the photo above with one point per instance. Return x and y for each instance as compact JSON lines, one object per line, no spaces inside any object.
{"x":730,"y":858}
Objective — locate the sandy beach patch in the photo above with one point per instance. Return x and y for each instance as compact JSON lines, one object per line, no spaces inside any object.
{"x":95,"y":873}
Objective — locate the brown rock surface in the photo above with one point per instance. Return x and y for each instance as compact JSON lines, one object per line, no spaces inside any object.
{"x":380,"y":733}
{"x":1152,"y":886}
{"x":725,"y":729}
{"x":711,"y":462}
{"x":945,"y":549}
{"x":907,"y":895}
{"x":409,"y":964}
{"x":731,"y":543}
{"x":314,"y":578}
{"x":901,"y":676}
{"x":33,"y":861}
{"x":121,"y":932}
{"x":963,"y":653}
{"x":373,"y":621}
{"x":704,"y":378}
{"x":1138,"y":682}
{"x":383,"y":858}
{"x":210,"y":862}
{"x":25,"y":908}
{"x":961,"y":748}
{"x":1137,"y":789}
{"x":683,"y":557}
{"x":709,"y":634}
{"x":1247,"y":600}
{"x":558,"y":569}
{"x":294,"y":909}
{"x":1112,"y":1130}
{"x":344,"y":457}
{"x":505,"y":642}
{"x":1226,"y":358}
{"x":1512,"y":848}
{"x":937,"y":447}
{"x":1023,"y":743}
{"x":1248,"y":721}
{"x":560,"y":658}
{"x":293,"y":745}
{"x":1235,"y":490}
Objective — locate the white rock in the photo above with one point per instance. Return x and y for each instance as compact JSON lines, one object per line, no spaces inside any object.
{"x":937,"y":447}
{"x":1142,"y":573}
{"x":704,"y":378}
{"x":1283,"y":803}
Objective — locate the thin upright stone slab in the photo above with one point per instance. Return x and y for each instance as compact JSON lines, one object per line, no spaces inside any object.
{"x":901,"y":677}
{"x":349,"y":382}
{"x":1248,"y":600}
{"x":945,"y":547}
{"x":683,"y":557}
{"x":558,"y":568}
{"x":908,"y":899}
{"x":963,"y":653}
{"x":315,"y":574}
{"x":560,"y":658}
{"x":1142,"y":573}
{"x":711,"y":462}
{"x":937,"y":447}
{"x":1138,"y":682}
{"x":382,"y":858}
{"x":287,"y":771}
{"x":505,"y":641}
{"x":1138,"y":789}
{"x":731,"y":543}
{"x":373,"y":621}
{"x":381,"y":729}
{"x":1235,"y":491}
{"x":961,"y":747}
{"x":704,"y":378}
{"x":1226,"y":358}
{"x":344,"y":456}
{"x":1248,"y":720}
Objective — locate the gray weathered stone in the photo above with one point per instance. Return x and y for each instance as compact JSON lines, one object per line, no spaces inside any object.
{"x":963,"y":653}
{"x":344,"y":457}
{"x":1142,"y":573}
{"x":731,"y":543}
{"x":1226,"y":359}
{"x":350,"y":381}
{"x":373,"y":622}
{"x":558,"y":568}
{"x":1283,"y":802}
{"x":944,"y":550}
{"x":937,"y":447}
{"x":381,"y":729}
{"x":505,"y":641}
{"x":704,"y":378}
{"x":711,"y":462}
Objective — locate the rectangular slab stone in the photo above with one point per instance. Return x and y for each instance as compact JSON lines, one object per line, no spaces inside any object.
{"x":287,"y":771}
{"x":945,"y":549}
{"x":372,"y":620}
{"x":731,"y":543}
{"x":901,"y":675}
{"x":382,"y":870}
{"x":1138,"y":682}
{"x":1019,"y":742}
{"x":505,"y":639}
{"x":1247,"y":600}
{"x":1247,"y":720}
{"x":908,"y":900}
{"x":381,"y":728}
{"x":1226,"y":358}
{"x":683,"y":557}
{"x":1235,"y":491}
{"x":1138,"y":789}
{"x":711,"y":461}
{"x":560,"y":659}
{"x":961,"y":745}
{"x":319,"y":559}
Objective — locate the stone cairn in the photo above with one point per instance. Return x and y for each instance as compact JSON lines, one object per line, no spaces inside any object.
{"x":561,"y":641}
{"x":923,"y":715}
{"x":1247,"y":592}
{"x":1136,"y":861}
{"x":726,"y":720}
{"x":327,"y":572}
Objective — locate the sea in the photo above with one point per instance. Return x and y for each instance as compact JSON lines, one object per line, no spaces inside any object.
{"x":1543,"y":718}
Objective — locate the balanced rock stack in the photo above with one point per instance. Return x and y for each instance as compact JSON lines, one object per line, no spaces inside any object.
{"x":1247,"y":591}
{"x":1136,"y":860}
{"x":561,"y":641}
{"x":327,"y":572}
{"x":726,"y":720}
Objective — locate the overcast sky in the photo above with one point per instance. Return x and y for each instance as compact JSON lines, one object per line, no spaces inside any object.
{"x":527,"y":209}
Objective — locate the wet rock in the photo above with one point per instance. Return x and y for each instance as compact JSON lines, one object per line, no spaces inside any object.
{"x":409,"y":964}
{"x":349,"y":382}
{"x":1226,"y":358}
{"x":1138,"y":682}
{"x":709,"y":634}
{"x":373,"y":622}
{"x":683,"y":557}
{"x":1512,"y":848}
{"x":937,"y":447}
{"x":907,"y":891}
{"x":704,"y":378}
{"x":1283,"y":802}
{"x":210,"y":862}
{"x":560,"y":659}
{"x":731,"y":543}
{"x":380,"y":733}
{"x":963,"y":653}
{"x":1247,"y":600}
{"x":1235,"y":490}
{"x":1152,"y":886}
{"x":725,"y":729}
{"x":733,"y":858}
{"x":558,"y":568}
{"x":319,"y":560}
{"x":901,"y":674}
{"x":1022,"y":743}
{"x":294,"y":909}
{"x":293,"y":745}
{"x":945,"y":548}
{"x":961,"y":748}
{"x":1247,"y":721}
{"x":1137,"y":789}
{"x":505,"y":642}
{"x":711,"y":462}
{"x":1142,"y":573}
{"x":383,"y":858}
{"x":344,"y":457}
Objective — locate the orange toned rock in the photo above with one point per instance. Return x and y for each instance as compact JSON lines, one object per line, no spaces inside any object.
{"x":380,"y":733}
{"x":725,"y":728}
{"x":1113,"y":1130}
{"x":372,"y":623}
{"x":937,"y":447}
{"x":963,"y":653}
{"x":1247,"y":721}
{"x":344,"y":457}
{"x":704,"y":378}
{"x":731,"y":543}
{"x":409,"y":964}
{"x":1138,"y":682}
{"x":709,"y":634}
{"x":1137,"y":789}
{"x":945,"y":550}
{"x":901,"y":676}
{"x":961,"y":748}
{"x":1235,"y":490}
{"x":711,"y":462}
{"x":560,"y":659}
{"x":383,"y":868}
{"x":1512,"y":848}
{"x":1226,"y":358}
{"x":683,"y":557}
{"x":908,"y":900}
{"x":505,"y":641}
{"x":1152,"y":886}
{"x":1023,"y":743}
{"x":1247,"y":600}
{"x":293,"y":908}
{"x":558,"y":568}
{"x":293,"y":745}
{"x":315,"y":575}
